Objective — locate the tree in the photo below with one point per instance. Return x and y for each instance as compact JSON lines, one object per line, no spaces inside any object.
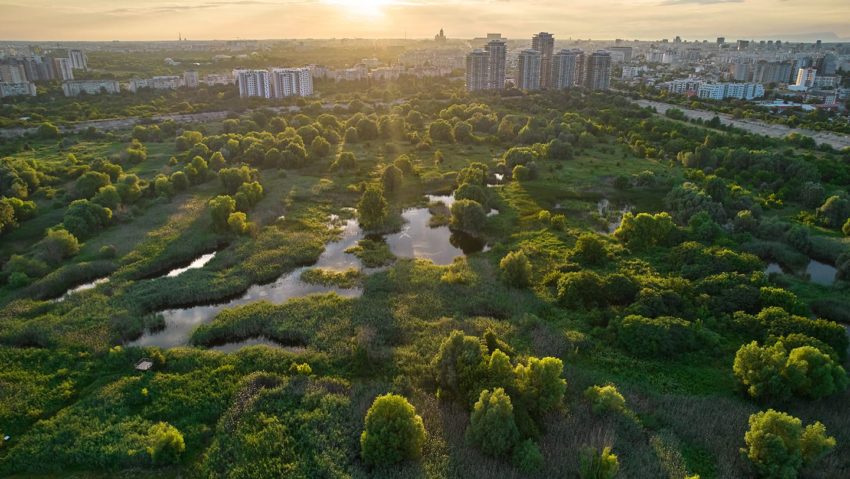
{"x":84,"y":218}
{"x":516,"y":269}
{"x":590,"y":249}
{"x":233,"y":178}
{"x":372,"y":208}
{"x":814,"y":374}
{"x":220,"y":209}
{"x":217,"y":161}
{"x":492,"y":426}
{"x":580,"y":289}
{"x":7,"y":217}
{"x":834,"y":211}
{"x":393,"y":432}
{"x":58,"y":245}
{"x":468,"y":216}
{"x":391,"y":179}
{"x":345,"y":161}
{"x":165,"y":443}
{"x":180,"y":181}
{"x":598,"y":465}
{"x":759,"y":371}
{"x":457,"y":366}
{"x":197,"y":170}
{"x":519,"y":155}
{"x":319,"y":147}
{"x":778,"y":446}
{"x":462,"y":132}
{"x":108,"y":197}
{"x":238,"y":222}
{"x":540,"y":385}
{"x":87,"y":185}
{"x":663,"y":336}
{"x":527,"y":457}
{"x":129,"y":189}
{"x":646,"y":230}
{"x":441,"y":130}
{"x":47,"y":131}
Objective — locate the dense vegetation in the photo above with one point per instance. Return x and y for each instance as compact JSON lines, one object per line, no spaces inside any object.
{"x":619,"y":322}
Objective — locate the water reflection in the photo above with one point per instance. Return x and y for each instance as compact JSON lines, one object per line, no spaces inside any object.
{"x":821,"y":273}
{"x":82,"y":287}
{"x":198,"y":263}
{"x":180,"y":323}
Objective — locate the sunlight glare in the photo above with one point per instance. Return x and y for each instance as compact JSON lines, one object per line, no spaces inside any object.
{"x":371,"y":8}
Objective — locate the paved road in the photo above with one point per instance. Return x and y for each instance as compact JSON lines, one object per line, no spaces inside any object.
{"x":836,"y":140}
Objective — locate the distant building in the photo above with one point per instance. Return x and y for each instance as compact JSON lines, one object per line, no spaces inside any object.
{"x":253,"y":83}
{"x":17,"y":89}
{"x":170,"y":82}
{"x":721,"y":91}
{"x":219,"y":79}
{"x":740,"y":71}
{"x":78,"y":60}
{"x":826,"y":81}
{"x":64,"y":69}
{"x":597,"y":71}
{"x":684,"y":86}
{"x":772,"y":72}
{"x":566,"y":68}
{"x":288,"y":82}
{"x":630,"y":72}
{"x":743,"y":44}
{"x":529,"y":70}
{"x":805,"y":79}
{"x":12,"y":73}
{"x":477,"y":70}
{"x":625,"y":51}
{"x":498,"y":52}
{"x":89,"y":87}
{"x":721,"y":40}
{"x":544,"y":43}
{"x":441,"y":37}
{"x":190,"y":79}
{"x":386,"y":73}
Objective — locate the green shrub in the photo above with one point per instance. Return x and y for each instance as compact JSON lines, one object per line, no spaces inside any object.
{"x":492,"y":426}
{"x":660,"y":337}
{"x":165,"y":443}
{"x":598,"y":465}
{"x":516,"y":269}
{"x":457,"y":366}
{"x":372,"y":208}
{"x":468,"y":216}
{"x":778,"y":446}
{"x":527,"y":457}
{"x":605,"y":398}
{"x":590,"y":249}
{"x":393,"y":432}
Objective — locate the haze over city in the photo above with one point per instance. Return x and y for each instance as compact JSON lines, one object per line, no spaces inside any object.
{"x":104,"y":20}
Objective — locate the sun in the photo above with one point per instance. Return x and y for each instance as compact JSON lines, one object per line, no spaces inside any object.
{"x":370,"y":8}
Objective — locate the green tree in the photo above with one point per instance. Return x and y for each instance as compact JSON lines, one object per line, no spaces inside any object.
{"x":108,"y":197}
{"x":221,"y":208}
{"x":57,"y":245}
{"x":605,"y":398}
{"x":441,"y":130}
{"x":778,"y":446}
{"x":646,"y":230}
{"x":319,"y":147}
{"x":846,"y":228}
{"x":834,"y":211}
{"x":814,"y":374}
{"x":457,"y":366}
{"x":759,"y":370}
{"x":516,"y":269}
{"x":540,"y":384}
{"x":393,"y":432}
{"x":87,"y":185}
{"x":180,"y":181}
{"x":238,"y":222}
{"x":527,"y":457}
{"x":392,"y":179}
{"x":83,"y":218}
{"x":590,"y":249}
{"x":492,"y":426}
{"x":372,"y":208}
{"x":468,"y":216}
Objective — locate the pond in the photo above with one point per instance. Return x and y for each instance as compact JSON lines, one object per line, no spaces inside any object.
{"x":181,"y":322}
{"x":197,"y":263}
{"x":612,"y":215}
{"x":417,"y":239}
{"x":815,"y":272}
{"x":82,"y":287}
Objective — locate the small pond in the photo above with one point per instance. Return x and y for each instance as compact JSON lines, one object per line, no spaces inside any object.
{"x":197,"y":263}
{"x":82,"y":287}
{"x":816,"y":272}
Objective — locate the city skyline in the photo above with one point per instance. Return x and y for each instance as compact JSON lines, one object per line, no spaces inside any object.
{"x":100,"y":20}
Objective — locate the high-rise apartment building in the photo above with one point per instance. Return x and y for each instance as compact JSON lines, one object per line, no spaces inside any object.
{"x":78,"y":59}
{"x":805,"y":78}
{"x":626,"y":51}
{"x":529,"y":70}
{"x":772,"y":72}
{"x":253,"y":83}
{"x":17,"y":89}
{"x":477,"y":70}
{"x":497,"y":51}
{"x":566,"y":68}
{"x":544,"y":43}
{"x":291,"y":82}
{"x":597,"y":71}
{"x":64,"y":69}
{"x":190,"y":79}
{"x":12,"y":73}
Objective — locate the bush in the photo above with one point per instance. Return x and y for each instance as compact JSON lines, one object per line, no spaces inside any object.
{"x":221,"y":207}
{"x":372,"y":208}
{"x":605,"y":398}
{"x":598,"y":465}
{"x":580,"y":289}
{"x":393,"y":432}
{"x":58,"y":245}
{"x":165,"y":443}
{"x":645,"y":230}
{"x":392,"y":179}
{"x":492,"y":426}
{"x":238,"y":223}
{"x":590,"y":249}
{"x":664,"y":336}
{"x":778,"y":446}
{"x":84,"y":218}
{"x":457,"y":366}
{"x":516,"y":269}
{"x":468,"y":216}
{"x":527,"y":457}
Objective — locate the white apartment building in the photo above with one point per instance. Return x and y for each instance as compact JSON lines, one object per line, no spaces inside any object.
{"x":190,"y":79}
{"x":684,"y":85}
{"x":78,"y":59}
{"x":805,"y":79}
{"x":64,"y":69}
{"x":386,"y":73}
{"x":17,"y":89}
{"x":288,"y":82}
{"x":90,"y":87}
{"x":171,"y":82}
{"x":253,"y":83}
{"x":721,"y":91}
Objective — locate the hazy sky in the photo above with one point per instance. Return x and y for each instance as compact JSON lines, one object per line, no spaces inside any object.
{"x":601,"y":19}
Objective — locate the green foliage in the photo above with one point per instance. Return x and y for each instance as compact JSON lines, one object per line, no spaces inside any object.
{"x":664,"y":336}
{"x":165,"y":443}
{"x":598,"y":464}
{"x":345,"y":161}
{"x":372,"y":253}
{"x":645,"y":230}
{"x":393,"y":432}
{"x":84,"y":218}
{"x":468,"y":216}
{"x":221,"y":207}
{"x":441,"y":130}
{"x":605,"y":398}
{"x":541,"y":388}
{"x":57,"y":245}
{"x":778,"y":446}
{"x":372,"y":208}
{"x":516,"y":269}
{"x":238,"y":223}
{"x":392,"y":179}
{"x":89,"y":184}
{"x":457,"y":366}
{"x":834,"y":211}
{"x":233,"y":178}
{"x":527,"y":457}
{"x":492,"y":427}
{"x":590,"y":249}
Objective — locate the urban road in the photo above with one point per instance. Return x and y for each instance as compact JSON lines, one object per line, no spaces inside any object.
{"x":836,"y":140}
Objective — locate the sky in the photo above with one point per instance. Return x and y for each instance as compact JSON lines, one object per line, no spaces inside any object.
{"x":795,"y":20}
